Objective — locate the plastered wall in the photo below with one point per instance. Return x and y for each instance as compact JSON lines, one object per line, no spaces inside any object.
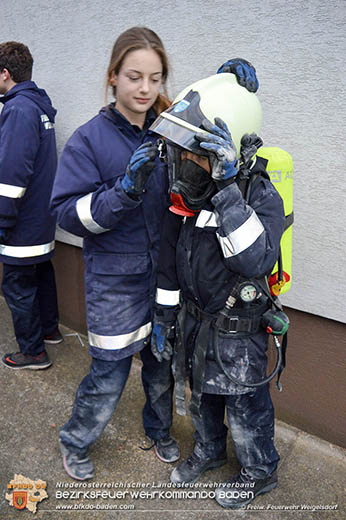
{"x":298,"y":49}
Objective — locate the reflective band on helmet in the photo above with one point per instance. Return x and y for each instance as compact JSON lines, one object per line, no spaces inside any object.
{"x":165,"y":297}
{"x":83,"y":208}
{"x":242,"y":238}
{"x":13,"y":192}
{"x":206,"y":219}
{"x":120,"y":341}
{"x":26,"y":251}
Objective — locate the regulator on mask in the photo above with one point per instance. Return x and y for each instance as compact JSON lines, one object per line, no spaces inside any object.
{"x":191,"y":186}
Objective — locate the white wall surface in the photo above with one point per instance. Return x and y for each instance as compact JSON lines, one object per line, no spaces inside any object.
{"x":299,"y":51}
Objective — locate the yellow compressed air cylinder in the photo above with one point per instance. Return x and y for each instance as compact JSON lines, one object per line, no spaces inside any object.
{"x":280,"y":170}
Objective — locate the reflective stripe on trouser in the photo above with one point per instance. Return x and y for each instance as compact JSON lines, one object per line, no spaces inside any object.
{"x":99,"y":393}
{"x":30,"y":293}
{"x":251,"y":421}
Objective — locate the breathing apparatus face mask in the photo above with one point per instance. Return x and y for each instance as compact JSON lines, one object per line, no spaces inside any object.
{"x":219,"y":95}
{"x":191,"y":186}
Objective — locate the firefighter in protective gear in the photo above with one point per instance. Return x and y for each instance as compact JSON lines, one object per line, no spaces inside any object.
{"x":204,"y":258}
{"x":194,"y":107}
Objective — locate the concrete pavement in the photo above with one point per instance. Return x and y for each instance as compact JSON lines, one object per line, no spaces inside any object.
{"x":35,"y":404}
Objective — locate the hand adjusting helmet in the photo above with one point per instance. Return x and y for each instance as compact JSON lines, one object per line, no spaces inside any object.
{"x":220,"y":96}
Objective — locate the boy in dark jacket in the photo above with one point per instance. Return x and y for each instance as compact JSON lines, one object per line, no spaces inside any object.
{"x":215,"y":250}
{"x":28,"y":162}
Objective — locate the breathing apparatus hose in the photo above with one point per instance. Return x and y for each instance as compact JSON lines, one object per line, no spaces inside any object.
{"x":242,"y":383}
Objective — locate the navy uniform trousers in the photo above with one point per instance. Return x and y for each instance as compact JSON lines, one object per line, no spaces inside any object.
{"x":30,"y":293}
{"x":99,"y":393}
{"x":251,"y":422}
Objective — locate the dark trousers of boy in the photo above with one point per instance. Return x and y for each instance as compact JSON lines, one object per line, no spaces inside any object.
{"x":30,"y":293}
{"x":249,"y":411}
{"x":251,"y":422}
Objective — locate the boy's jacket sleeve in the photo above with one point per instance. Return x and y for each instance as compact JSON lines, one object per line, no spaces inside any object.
{"x":168,"y":291}
{"x":19,"y":144}
{"x":249,"y":234}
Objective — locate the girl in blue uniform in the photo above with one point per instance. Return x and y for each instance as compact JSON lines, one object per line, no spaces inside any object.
{"x":111,"y":189}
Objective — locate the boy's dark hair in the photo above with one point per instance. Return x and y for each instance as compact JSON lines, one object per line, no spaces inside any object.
{"x":17,"y":59}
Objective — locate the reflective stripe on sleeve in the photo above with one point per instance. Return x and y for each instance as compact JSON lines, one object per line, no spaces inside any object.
{"x":206,"y":219}
{"x":12,"y":192}
{"x":26,"y":251}
{"x":242,"y":238}
{"x":120,"y":341}
{"x":83,"y":208}
{"x":164,"y":297}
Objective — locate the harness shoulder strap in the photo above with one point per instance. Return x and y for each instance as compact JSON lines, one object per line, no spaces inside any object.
{"x":248,"y":176}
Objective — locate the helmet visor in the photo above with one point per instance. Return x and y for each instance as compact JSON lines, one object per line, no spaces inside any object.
{"x":179,"y":132}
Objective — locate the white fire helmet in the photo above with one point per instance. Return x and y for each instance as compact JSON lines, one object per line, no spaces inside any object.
{"x":219,"y":95}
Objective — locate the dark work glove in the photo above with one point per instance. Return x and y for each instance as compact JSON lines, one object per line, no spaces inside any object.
{"x":222,"y":153}
{"x":161,"y":338}
{"x":244,"y":72}
{"x":163,"y":333}
{"x":139,"y":168}
{"x":3,"y":235}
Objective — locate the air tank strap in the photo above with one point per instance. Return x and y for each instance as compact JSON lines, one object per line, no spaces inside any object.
{"x":289,"y":220}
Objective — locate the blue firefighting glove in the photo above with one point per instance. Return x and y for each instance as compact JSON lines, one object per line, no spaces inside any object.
{"x":139,"y":168}
{"x":244,"y":72}
{"x":222,"y":152}
{"x":3,"y":235}
{"x":163,"y":333}
{"x":161,"y":346}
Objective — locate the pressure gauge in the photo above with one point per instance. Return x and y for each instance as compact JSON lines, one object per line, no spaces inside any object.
{"x":248,"y":292}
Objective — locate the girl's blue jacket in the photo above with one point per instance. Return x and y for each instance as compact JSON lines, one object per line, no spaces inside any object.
{"x":121,"y":235}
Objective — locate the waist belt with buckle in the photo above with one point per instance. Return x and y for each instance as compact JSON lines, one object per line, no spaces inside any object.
{"x":236,"y":321}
